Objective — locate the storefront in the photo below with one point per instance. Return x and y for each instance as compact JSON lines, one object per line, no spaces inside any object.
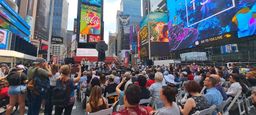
{"x":14,"y":36}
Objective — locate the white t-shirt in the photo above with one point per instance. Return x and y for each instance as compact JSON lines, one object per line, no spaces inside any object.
{"x":54,"y":78}
{"x":233,"y":89}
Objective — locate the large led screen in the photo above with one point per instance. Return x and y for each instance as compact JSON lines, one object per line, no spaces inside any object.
{"x":92,"y":2}
{"x":193,"y":22}
{"x":90,"y":22}
{"x":158,"y":26}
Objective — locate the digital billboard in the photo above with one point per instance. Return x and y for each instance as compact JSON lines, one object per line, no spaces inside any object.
{"x":229,"y":48}
{"x":94,"y":38}
{"x":154,"y":27}
{"x":3,"y":39}
{"x":197,"y":22}
{"x":90,"y":21}
{"x":92,"y":2}
{"x":157,"y":22}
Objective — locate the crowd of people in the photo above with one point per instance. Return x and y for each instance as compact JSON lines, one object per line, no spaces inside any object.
{"x":53,"y":86}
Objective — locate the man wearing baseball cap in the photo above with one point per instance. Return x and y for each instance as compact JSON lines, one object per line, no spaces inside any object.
{"x":42,"y":70}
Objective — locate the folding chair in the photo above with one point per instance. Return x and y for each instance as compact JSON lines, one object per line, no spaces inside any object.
{"x":232,"y":102}
{"x":103,"y":112}
{"x":145,"y":101}
{"x":224,"y":104}
{"x":208,"y":111}
{"x":112,"y":96}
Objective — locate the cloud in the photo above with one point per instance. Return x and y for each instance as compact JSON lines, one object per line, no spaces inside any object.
{"x":72,"y":13}
{"x":110,"y":10}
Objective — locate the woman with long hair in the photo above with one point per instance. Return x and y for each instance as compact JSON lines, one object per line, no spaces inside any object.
{"x":96,"y":101}
{"x":65,"y":78}
{"x":235,"y":86}
{"x":17,"y":89}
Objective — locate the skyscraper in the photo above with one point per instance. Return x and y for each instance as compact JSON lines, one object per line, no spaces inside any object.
{"x":60,"y":18}
{"x":59,"y":28}
{"x":132,"y":10}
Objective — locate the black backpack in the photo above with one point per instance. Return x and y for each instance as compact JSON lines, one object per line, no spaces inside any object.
{"x":61,"y":93}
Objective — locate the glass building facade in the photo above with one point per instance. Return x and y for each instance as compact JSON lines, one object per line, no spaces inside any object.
{"x":60,"y":18}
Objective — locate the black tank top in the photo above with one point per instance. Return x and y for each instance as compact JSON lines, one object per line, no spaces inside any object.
{"x":101,"y":107}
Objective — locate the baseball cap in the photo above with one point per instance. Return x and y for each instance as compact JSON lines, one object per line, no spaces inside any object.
{"x":21,"y":67}
{"x":39,"y":61}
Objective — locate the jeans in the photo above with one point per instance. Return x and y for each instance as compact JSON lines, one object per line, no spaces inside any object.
{"x":68,"y":110}
{"x":48,"y":102}
{"x":34,"y":104}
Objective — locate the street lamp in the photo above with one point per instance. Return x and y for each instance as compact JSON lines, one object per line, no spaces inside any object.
{"x":50,"y":31}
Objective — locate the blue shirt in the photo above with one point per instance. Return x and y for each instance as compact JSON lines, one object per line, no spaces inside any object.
{"x":213,"y":96}
{"x":221,"y":90}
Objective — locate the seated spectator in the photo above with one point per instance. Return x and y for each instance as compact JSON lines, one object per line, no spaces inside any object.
{"x":117,"y":79}
{"x":251,"y":77}
{"x":167,"y":95}
{"x":131,"y":102}
{"x":155,"y":90}
{"x":168,"y":78}
{"x":145,"y":93}
{"x":219,"y":87}
{"x":198,"y":77}
{"x":128,"y":77}
{"x":151,"y":79}
{"x":119,"y":92}
{"x":212,"y":95}
{"x":235,"y":86}
{"x":253,"y":95}
{"x":96,"y":101}
{"x":195,"y":103}
{"x":94,"y":81}
{"x":110,"y":85}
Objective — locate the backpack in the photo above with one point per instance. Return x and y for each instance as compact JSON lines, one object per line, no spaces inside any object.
{"x":61,"y":93}
{"x":39,"y":86}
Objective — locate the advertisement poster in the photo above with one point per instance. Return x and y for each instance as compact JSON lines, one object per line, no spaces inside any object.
{"x":83,"y":38}
{"x":92,"y":2}
{"x":157,"y":22}
{"x":90,"y":22}
{"x":192,"y":21}
{"x":3,"y":39}
{"x":229,"y":48}
{"x":94,"y":38}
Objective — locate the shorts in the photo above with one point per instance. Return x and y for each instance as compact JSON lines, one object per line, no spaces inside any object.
{"x":16,"y":90}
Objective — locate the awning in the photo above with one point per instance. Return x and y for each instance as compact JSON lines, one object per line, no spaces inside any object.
{"x":15,"y":54}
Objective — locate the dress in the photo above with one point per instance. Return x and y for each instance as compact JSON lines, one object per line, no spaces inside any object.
{"x":201,"y":104}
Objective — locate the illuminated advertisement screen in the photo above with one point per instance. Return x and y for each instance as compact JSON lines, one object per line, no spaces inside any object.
{"x":229,"y":48}
{"x":155,"y":27}
{"x":158,"y":26}
{"x":90,"y":22}
{"x":196,"y":22}
{"x":3,"y":39}
{"x":92,"y":2}
{"x":94,"y":38}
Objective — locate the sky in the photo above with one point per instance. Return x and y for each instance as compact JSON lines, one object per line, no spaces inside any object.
{"x":110,"y":9}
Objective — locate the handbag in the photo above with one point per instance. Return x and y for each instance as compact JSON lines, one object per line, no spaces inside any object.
{"x":31,"y":83}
